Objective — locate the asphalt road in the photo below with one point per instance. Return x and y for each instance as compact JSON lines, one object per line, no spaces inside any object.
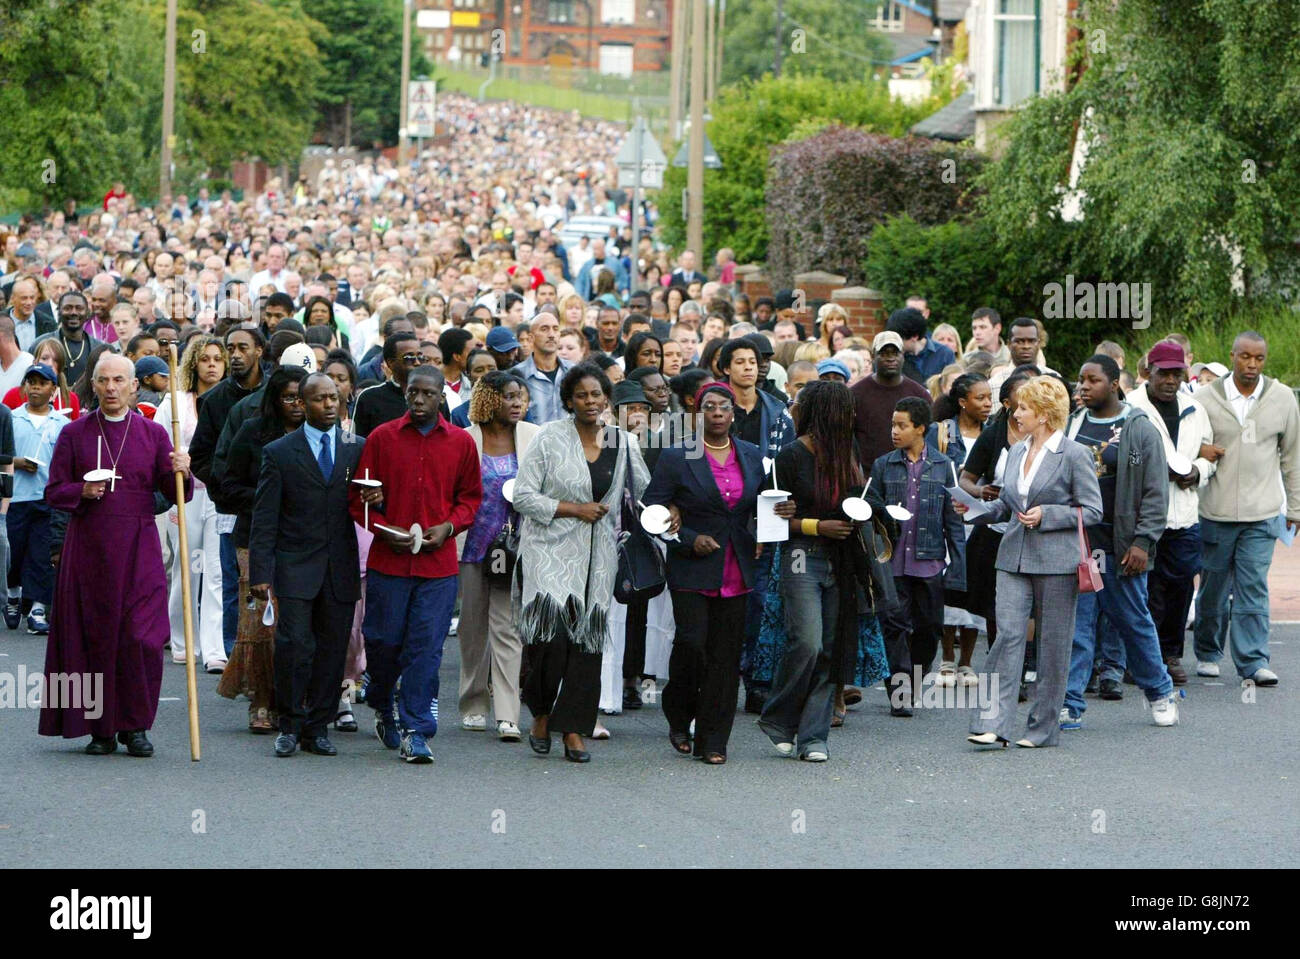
{"x":1218,"y":790}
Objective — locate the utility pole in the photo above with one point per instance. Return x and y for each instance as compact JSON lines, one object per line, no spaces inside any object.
{"x":710,"y":15}
{"x":678,"y":57}
{"x":169,"y":103}
{"x":405,"y":145}
{"x":780,"y":22}
{"x":717,"y":57}
{"x":695,"y":171}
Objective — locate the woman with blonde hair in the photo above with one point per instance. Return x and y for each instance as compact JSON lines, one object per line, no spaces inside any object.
{"x":572,"y":311}
{"x":941,"y":382}
{"x":947,"y":334}
{"x":830,"y":317}
{"x":814,"y":351}
{"x":203,"y":366}
{"x":1051,"y":493}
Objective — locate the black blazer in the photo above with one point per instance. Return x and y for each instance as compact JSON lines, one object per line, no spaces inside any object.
{"x":45,"y":321}
{"x":302,"y":532}
{"x":687,"y":482}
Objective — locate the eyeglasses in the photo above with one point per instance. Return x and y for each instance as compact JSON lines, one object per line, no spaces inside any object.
{"x":412,"y":359}
{"x":716,"y":408}
{"x":663,"y":388}
{"x":291,"y":400}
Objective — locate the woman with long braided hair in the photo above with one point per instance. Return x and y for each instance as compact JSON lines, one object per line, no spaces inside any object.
{"x":822,"y":568}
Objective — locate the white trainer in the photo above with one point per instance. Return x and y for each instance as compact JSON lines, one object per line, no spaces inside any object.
{"x":475,"y":722}
{"x":1207,"y":669}
{"x":815,"y":756}
{"x":1165,"y":711}
{"x":507,"y":732}
{"x":1265,"y":677}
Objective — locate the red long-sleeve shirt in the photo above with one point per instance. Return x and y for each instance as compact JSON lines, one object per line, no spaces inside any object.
{"x":428,"y":480}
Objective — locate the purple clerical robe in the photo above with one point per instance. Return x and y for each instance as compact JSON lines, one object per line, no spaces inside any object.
{"x":110,"y":600}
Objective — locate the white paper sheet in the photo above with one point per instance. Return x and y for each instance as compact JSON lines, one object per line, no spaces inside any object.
{"x":976,"y":506}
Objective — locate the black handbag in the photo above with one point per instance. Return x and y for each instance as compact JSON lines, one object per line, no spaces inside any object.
{"x":503,"y":552}
{"x":641,"y":572}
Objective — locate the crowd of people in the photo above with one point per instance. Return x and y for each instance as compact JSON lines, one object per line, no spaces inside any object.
{"x":410,"y":405}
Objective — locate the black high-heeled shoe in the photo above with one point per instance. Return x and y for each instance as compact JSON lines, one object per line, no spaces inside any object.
{"x":577,"y":755}
{"x":541,"y":744}
{"x":681,"y":742}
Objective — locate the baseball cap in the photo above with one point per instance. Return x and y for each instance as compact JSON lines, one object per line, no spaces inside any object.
{"x":144,"y":366}
{"x":832,"y":365}
{"x":1218,"y":369}
{"x":44,"y":370}
{"x":1166,"y":355}
{"x":887,"y":338}
{"x":300,"y":355}
{"x":501,"y":339}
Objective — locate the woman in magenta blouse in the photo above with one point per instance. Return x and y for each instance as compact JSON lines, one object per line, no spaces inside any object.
{"x":714,"y":486}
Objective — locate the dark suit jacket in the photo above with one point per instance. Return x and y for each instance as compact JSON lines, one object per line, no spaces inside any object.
{"x":687,"y":482}
{"x":302,"y":532}
{"x":45,"y":321}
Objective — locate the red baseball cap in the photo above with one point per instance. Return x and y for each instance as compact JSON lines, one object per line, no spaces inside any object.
{"x":1167,"y":355}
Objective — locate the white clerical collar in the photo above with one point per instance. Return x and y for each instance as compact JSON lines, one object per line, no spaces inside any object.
{"x":114,"y":419}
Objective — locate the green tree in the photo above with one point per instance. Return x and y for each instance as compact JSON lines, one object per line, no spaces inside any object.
{"x":827,"y":38}
{"x":360,"y":92}
{"x":748,"y":119}
{"x":74,"y":94}
{"x":1193,"y":166}
{"x":247,"y":75}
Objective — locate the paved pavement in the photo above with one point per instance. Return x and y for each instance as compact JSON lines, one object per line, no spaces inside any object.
{"x":1221,"y":788}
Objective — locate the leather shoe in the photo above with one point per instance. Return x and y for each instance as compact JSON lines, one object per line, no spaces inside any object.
{"x":320,"y":745}
{"x":754,"y":701}
{"x":1176,"y":671}
{"x":577,"y":755}
{"x":631,"y":698}
{"x":101,"y":746}
{"x":136,"y":743}
{"x":904,"y":712}
{"x":286,"y":744}
{"x":1111,"y":689}
{"x":1091,"y":688}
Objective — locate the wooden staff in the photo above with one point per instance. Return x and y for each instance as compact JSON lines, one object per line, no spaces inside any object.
{"x":191,"y":681}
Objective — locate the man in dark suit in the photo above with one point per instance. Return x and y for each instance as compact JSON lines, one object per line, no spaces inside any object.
{"x":303,"y":551}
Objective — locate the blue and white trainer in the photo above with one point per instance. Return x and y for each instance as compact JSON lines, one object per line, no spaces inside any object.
{"x":415,"y":749}
{"x":387,"y":731}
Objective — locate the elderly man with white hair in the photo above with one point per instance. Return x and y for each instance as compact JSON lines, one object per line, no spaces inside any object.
{"x":110,"y":602}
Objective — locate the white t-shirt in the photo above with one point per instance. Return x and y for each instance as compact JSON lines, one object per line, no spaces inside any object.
{"x":14,"y":375}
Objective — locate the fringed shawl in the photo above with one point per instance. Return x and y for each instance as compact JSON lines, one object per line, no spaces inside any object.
{"x":566,"y":568}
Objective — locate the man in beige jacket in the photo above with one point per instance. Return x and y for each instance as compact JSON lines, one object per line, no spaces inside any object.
{"x":1257,"y":423}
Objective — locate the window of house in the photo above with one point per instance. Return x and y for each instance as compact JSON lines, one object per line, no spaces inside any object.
{"x":1017,"y":29}
{"x":889,"y":17}
{"x":618,"y":11}
{"x":616,"y":58}
{"x":559,"y":11}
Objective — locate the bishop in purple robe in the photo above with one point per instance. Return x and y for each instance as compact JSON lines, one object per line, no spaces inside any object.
{"x":110,"y":602}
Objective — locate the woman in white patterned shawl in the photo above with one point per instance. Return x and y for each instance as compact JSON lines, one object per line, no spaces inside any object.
{"x":570,"y":479}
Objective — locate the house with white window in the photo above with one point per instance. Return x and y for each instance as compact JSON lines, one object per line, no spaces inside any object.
{"x":1017,"y":50}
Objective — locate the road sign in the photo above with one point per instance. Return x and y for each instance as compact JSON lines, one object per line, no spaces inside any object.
{"x":420,"y":108}
{"x":652,"y":161}
{"x":711,"y":159}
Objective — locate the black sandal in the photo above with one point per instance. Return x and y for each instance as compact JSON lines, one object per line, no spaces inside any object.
{"x":681,"y":742}
{"x":715,"y":759}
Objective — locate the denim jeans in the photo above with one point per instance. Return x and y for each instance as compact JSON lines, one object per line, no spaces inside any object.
{"x":1110,"y":660}
{"x":1235,"y":558}
{"x":802,"y":697}
{"x":229,"y":591}
{"x":407,"y":619}
{"x":1124,"y":602}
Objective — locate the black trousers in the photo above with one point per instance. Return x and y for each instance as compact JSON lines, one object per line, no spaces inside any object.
{"x":1171,"y":586}
{"x":562,"y":681}
{"x":638,"y":621}
{"x":704,"y":669}
{"x":311,"y":648}
{"x":913,"y":629}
